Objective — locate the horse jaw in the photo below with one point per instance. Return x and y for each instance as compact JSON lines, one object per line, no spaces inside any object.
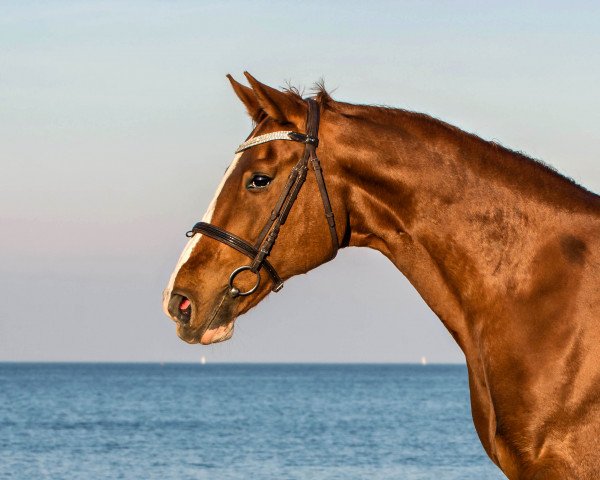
{"x":219,"y":334}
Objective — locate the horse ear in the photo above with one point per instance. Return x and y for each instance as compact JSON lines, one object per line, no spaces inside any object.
{"x":248,"y":98}
{"x":280,"y":106}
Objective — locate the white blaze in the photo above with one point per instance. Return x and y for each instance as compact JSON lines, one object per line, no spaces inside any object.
{"x":189,"y":248}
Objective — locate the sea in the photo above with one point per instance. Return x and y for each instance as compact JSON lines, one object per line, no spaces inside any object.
{"x":238,"y":421}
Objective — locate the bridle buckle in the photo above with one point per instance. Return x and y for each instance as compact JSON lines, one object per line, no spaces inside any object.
{"x":304,"y":138}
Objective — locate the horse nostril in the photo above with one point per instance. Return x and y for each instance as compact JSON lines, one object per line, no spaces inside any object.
{"x":180,"y":308}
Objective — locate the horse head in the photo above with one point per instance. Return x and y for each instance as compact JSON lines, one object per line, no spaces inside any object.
{"x":270,"y":218}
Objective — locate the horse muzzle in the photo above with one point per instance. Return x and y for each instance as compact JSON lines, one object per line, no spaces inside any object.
{"x":180,"y":308}
{"x":215,"y":327}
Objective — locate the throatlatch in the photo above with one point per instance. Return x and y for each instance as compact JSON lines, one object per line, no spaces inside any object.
{"x":261,"y":249}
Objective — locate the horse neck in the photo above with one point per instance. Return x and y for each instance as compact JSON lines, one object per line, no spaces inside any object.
{"x":448,"y":209}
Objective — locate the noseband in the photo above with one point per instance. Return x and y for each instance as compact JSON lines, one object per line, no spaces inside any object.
{"x":261,"y":249}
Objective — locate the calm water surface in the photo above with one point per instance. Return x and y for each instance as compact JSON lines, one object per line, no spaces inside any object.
{"x":143,"y":421}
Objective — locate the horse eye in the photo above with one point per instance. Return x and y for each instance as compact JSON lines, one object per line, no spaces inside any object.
{"x":258,"y":180}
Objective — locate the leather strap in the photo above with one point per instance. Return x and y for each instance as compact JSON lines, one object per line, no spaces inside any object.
{"x":312,"y":129}
{"x":237,"y":243}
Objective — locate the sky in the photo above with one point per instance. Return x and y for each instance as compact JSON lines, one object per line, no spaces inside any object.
{"x":117,"y":122}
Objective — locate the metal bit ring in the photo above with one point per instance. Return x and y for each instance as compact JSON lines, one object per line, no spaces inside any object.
{"x":233,"y":290}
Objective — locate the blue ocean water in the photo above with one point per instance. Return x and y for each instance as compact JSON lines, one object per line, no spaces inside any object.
{"x":299,"y":422}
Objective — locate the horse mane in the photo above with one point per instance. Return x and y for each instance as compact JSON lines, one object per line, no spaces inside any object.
{"x":318,"y":90}
{"x":385,"y":115}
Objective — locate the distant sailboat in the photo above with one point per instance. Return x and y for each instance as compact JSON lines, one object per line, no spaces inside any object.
{"x":202,"y":360}
{"x":423,"y":360}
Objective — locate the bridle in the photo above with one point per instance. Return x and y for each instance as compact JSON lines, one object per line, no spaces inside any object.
{"x":261,"y":249}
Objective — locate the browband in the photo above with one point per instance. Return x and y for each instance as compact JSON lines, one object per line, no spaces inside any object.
{"x":280,"y":135}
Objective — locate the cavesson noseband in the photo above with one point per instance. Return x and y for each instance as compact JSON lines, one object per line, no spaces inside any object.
{"x":261,"y":249}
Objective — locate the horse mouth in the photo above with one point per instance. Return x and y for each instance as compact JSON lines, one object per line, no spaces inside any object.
{"x":218,"y":327}
{"x":180,"y":308}
{"x":206,"y":336}
{"x":218,"y":334}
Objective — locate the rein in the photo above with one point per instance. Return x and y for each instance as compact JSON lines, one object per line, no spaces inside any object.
{"x":261,"y":249}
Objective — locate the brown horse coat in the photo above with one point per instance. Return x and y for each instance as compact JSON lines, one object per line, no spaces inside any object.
{"x":503,"y":249}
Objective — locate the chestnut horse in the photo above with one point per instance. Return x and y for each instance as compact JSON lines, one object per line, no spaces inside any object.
{"x":502,"y":248}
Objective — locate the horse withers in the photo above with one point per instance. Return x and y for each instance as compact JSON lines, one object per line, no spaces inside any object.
{"x":503,"y":249}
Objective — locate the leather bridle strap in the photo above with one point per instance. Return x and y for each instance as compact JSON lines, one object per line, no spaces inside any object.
{"x":312,"y":129}
{"x":235,"y":242}
{"x":266,"y":239}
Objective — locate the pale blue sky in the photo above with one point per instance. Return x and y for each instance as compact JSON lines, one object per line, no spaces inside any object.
{"x":117,"y":122}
